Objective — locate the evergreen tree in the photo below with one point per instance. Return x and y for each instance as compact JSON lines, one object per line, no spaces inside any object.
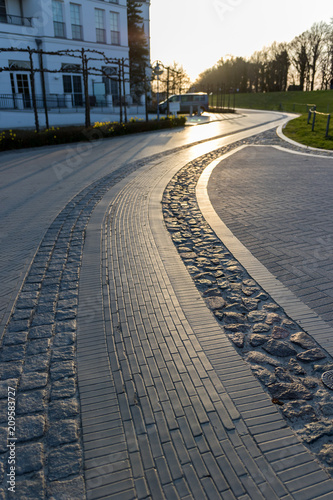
{"x":138,"y":48}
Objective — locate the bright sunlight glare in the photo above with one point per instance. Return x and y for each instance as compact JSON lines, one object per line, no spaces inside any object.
{"x":197,"y":33}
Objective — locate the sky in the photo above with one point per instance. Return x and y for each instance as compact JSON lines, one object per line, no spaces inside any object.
{"x":197,"y":33}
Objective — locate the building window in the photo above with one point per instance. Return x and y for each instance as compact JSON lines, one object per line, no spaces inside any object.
{"x":21,"y":89}
{"x":77,"y":33}
{"x":114,"y":25}
{"x":3,"y":13}
{"x":12,"y":18}
{"x":111,"y":82}
{"x":58,"y":19}
{"x":100,"y":27}
{"x":72,"y":84}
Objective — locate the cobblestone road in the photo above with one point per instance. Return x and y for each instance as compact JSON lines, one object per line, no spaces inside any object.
{"x":36,"y":184}
{"x":112,"y":354}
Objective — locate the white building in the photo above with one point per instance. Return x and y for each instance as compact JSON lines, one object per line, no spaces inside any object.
{"x":54,"y":25}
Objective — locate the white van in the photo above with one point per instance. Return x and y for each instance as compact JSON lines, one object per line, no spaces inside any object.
{"x":188,"y":102}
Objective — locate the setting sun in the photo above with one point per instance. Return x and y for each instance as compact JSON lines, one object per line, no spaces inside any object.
{"x":197,"y":34}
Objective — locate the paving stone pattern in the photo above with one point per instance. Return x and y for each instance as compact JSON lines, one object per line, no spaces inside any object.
{"x":37,"y":358}
{"x":287,"y":361}
{"x":49,"y":175}
{"x":279,"y":206}
{"x":178,"y":419}
{"x":185,"y":438}
{"x":172,"y":382}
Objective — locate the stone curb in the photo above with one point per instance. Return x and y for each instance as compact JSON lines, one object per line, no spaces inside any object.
{"x":293,"y":306}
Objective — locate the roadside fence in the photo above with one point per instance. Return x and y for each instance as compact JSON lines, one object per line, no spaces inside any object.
{"x":83,"y":63}
{"x":295,"y":107}
{"x":313,"y":113}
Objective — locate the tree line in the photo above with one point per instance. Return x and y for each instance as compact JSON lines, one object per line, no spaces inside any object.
{"x":306,"y":63}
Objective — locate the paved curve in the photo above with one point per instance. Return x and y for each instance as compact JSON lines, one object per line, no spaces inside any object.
{"x":157,"y":418}
{"x":278,"y":203}
{"x":185,"y":426}
{"x":36,"y":184}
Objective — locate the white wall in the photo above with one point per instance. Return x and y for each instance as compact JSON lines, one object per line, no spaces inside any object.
{"x":25,"y":119}
{"x":41,"y":11}
{"x":42,"y":28}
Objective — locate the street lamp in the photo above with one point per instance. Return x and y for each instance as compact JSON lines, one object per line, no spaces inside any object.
{"x":158,"y":71}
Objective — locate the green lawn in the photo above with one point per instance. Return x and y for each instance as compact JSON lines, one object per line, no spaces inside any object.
{"x":283,"y":101}
{"x":293,"y":102}
{"x":298,"y":130}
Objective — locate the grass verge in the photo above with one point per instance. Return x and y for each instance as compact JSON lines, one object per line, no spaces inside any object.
{"x":298,"y":130}
{"x":17,"y":139}
{"x":292,"y":102}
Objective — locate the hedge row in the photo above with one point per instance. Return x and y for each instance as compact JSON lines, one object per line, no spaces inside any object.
{"x":17,"y":139}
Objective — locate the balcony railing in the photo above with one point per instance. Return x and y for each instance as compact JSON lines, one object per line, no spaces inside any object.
{"x":115,"y":37}
{"x":59,"y":29}
{"x":100,"y":35}
{"x":53,"y":101}
{"x":17,"y":20}
{"x":77,"y":32}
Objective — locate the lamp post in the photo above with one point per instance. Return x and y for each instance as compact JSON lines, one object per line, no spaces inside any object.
{"x":158,"y":71}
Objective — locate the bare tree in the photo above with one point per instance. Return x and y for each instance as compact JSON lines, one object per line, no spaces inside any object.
{"x":255,"y":71}
{"x":278,"y":65}
{"x":316,"y":42}
{"x":271,"y":68}
{"x":173,"y":80}
{"x":299,"y":54}
{"x":179,"y":79}
{"x":326,"y":59}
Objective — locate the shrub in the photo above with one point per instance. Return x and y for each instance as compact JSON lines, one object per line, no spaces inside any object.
{"x":18,"y":139}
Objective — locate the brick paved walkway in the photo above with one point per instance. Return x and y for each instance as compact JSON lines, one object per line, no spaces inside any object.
{"x":170,"y":418}
{"x":279,"y":205}
{"x":35,"y":184}
{"x":164,"y":406}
